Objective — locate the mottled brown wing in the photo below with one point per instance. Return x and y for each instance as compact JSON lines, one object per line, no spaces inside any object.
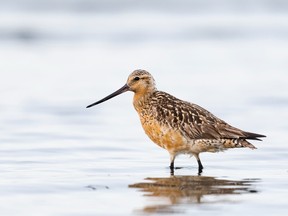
{"x":194,"y":121}
{"x":216,"y":128}
{"x":200,"y":124}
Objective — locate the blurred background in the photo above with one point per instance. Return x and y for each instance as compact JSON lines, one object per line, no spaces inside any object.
{"x":58,"y":56}
{"x":69,"y":52}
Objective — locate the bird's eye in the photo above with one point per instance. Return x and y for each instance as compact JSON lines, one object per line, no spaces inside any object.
{"x":136,"y":78}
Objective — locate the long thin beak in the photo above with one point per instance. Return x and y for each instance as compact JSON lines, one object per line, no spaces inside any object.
{"x":119,"y":91}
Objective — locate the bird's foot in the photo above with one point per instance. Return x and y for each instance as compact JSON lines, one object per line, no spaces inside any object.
{"x":200,"y":170}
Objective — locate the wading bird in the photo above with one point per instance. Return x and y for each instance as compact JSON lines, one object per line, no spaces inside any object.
{"x":178,"y":126}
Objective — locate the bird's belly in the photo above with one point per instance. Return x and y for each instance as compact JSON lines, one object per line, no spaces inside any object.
{"x":174,"y":141}
{"x":166,"y":137}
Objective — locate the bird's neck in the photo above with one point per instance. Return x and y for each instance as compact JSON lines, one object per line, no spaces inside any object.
{"x":141,"y":99}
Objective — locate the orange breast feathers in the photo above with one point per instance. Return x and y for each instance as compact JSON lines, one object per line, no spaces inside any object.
{"x":164,"y":136}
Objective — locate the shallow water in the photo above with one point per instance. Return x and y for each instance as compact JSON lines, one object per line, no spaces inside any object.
{"x":58,"y":158}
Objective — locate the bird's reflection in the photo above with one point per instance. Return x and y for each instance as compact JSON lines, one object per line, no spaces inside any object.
{"x":176,"y":190}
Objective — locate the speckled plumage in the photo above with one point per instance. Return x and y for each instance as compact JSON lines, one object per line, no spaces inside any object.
{"x":178,"y":126}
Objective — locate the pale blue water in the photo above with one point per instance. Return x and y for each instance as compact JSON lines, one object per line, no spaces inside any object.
{"x":59,"y":158}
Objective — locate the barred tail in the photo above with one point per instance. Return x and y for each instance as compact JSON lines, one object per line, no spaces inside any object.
{"x":238,"y":143}
{"x":245,"y":143}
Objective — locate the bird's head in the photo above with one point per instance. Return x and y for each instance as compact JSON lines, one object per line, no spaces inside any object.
{"x":139,"y":81}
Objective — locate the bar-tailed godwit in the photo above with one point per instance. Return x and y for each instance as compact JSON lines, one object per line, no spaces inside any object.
{"x":178,"y":126}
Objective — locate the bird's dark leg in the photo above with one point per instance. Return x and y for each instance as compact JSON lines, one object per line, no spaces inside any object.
{"x":200,"y":166}
{"x":172,"y":158}
{"x":172,"y":165}
{"x":172,"y":168}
